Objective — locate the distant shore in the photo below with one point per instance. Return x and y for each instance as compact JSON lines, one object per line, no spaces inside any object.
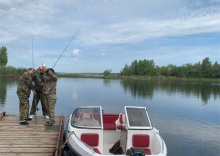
{"x":11,"y":72}
{"x":118,"y":76}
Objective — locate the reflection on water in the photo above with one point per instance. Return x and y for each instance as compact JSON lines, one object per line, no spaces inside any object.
{"x":3,"y":92}
{"x":139,"y":88}
{"x":146,"y":88}
{"x":4,"y":83}
{"x":186,"y":113}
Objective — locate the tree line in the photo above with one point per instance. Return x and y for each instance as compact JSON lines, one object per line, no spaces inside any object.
{"x":204,"y":69}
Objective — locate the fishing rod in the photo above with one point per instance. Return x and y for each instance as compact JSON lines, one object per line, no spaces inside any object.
{"x":67,"y":45}
{"x":35,"y":100}
{"x":32,"y":54}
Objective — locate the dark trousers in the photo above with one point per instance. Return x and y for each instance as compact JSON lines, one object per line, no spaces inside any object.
{"x":36,"y":98}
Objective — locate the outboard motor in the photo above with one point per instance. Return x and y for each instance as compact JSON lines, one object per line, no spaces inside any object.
{"x":133,"y":151}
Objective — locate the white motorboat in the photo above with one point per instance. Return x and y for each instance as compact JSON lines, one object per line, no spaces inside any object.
{"x":91,"y":132}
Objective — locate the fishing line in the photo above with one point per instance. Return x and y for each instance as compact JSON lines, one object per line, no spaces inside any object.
{"x":67,"y":45}
{"x":32,"y":54}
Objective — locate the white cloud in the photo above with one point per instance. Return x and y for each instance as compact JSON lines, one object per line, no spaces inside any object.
{"x":75,"y":54}
{"x":111,"y":28}
{"x":140,"y":29}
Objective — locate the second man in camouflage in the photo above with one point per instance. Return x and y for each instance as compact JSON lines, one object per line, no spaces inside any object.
{"x":49,"y":91}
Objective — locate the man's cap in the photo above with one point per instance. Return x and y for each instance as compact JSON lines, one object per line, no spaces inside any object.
{"x":39,"y":68}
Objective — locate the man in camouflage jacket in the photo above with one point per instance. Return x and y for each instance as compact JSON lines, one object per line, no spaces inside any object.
{"x":23,"y":91}
{"x":38,"y":86}
{"x":49,"y":91}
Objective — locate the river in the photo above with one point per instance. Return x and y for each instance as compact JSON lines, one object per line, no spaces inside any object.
{"x":186,"y":113}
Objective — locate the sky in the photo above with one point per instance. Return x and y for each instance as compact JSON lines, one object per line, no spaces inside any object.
{"x":91,"y":36}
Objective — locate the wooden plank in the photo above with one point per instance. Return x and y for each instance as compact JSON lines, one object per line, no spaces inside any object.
{"x":27,"y":142}
{"x":27,"y":150}
{"x":28,"y":146}
{"x":25,"y":154}
{"x":30,"y":140}
{"x":27,"y":134}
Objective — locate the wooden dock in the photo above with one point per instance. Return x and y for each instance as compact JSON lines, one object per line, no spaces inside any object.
{"x":30,"y":140}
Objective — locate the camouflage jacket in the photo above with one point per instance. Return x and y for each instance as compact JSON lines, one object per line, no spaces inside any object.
{"x":50,"y":83}
{"x":25,"y":84}
{"x":38,"y":80}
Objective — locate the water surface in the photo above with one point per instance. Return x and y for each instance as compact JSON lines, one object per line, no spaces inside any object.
{"x":186,"y":113}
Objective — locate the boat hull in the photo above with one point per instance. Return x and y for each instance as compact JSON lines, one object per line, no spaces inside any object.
{"x":112,"y":137}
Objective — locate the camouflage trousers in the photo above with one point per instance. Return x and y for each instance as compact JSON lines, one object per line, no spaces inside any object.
{"x":23,"y":105}
{"x":50,"y":101}
{"x":36,"y":98}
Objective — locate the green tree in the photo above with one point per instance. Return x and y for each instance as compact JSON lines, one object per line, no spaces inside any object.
{"x":206,"y":68}
{"x":164,"y":71}
{"x":126,"y":70}
{"x":197,"y":70}
{"x":216,"y":70}
{"x":107,"y":72}
{"x":141,"y":67}
{"x":146,"y":67}
{"x":134,"y":67}
{"x":172,"y":70}
{"x":3,"y":56}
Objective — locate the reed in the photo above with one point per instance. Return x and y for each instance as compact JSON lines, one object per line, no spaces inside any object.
{"x":10,"y":71}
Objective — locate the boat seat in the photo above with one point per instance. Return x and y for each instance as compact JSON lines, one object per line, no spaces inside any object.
{"x":91,"y":139}
{"x":120,"y":122}
{"x":142,"y":141}
{"x":87,"y":119}
{"x":120,"y":126}
{"x":86,"y":115}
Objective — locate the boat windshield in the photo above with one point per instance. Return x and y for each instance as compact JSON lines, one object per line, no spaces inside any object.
{"x":87,"y":117}
{"x":137,"y":118}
